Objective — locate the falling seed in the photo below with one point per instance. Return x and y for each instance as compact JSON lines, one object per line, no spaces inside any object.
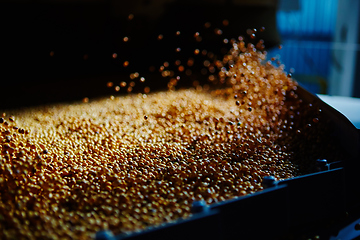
{"x":142,"y":79}
{"x":85,"y":100}
{"x":190,"y":62}
{"x":146,"y":90}
{"x":52,"y":53}
{"x":177,"y":33}
{"x":125,"y":39}
{"x":177,"y":49}
{"x":117,"y":88}
{"x":165,"y":73}
{"x":225,"y":22}
{"x":196,"y":83}
{"x":160,"y":37}
{"x":123,"y":84}
{"x":126,"y":63}
{"x":218,"y":31}
{"x":212,"y":69}
{"x":196,"y":51}
{"x":109,"y":84}
{"x":207,"y":25}
{"x":131,"y":16}
{"x":206,"y":63}
{"x":114,"y":55}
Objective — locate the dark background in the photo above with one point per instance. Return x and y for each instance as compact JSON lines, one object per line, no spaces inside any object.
{"x":62,"y":51}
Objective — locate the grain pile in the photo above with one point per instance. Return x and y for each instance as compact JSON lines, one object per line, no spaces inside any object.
{"x":134,"y":161}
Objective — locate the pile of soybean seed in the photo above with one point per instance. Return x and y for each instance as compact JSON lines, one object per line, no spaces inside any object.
{"x":129,"y":162}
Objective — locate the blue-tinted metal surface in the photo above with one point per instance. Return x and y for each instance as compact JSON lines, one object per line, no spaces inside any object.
{"x":307,"y":34}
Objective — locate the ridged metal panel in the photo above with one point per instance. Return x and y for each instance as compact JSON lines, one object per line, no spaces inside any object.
{"x":307,"y":36}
